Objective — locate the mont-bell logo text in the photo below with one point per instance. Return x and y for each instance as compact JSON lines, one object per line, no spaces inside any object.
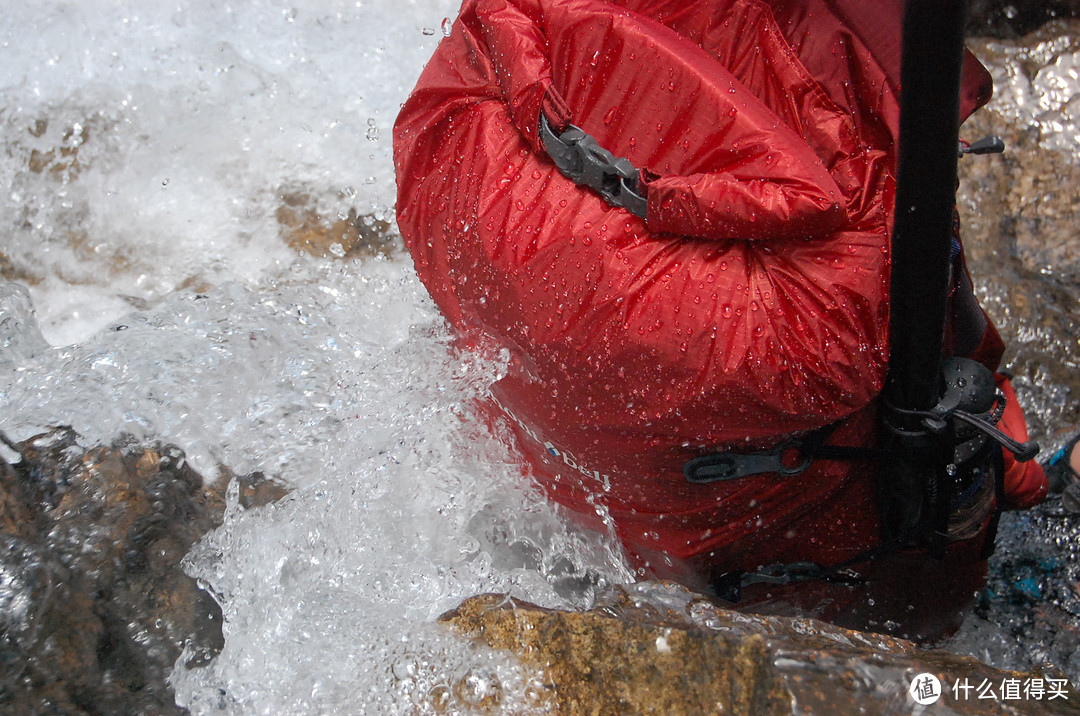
{"x":557,"y":454}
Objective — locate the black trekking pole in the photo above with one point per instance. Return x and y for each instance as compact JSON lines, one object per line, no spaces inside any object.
{"x":916,"y":492}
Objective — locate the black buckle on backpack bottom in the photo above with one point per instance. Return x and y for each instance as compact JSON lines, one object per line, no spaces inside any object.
{"x":731,"y":466}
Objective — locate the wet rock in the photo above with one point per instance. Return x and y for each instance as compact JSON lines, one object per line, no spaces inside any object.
{"x":657,"y":648}
{"x":49,"y":155}
{"x":61,"y":161}
{"x":94,"y":608}
{"x":1032,"y":593}
{"x":1029,"y":194}
{"x":1020,"y":211}
{"x":305,"y":228}
{"x":1013,"y":18}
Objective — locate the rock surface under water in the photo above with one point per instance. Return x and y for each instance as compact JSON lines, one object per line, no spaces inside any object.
{"x":1014,"y":18}
{"x":1019,"y":211}
{"x":657,"y":648}
{"x":94,"y":608}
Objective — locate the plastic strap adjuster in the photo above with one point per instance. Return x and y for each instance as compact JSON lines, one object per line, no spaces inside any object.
{"x":731,"y":466}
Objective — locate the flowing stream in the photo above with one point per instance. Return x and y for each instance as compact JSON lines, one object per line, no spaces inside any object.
{"x":159,"y":165}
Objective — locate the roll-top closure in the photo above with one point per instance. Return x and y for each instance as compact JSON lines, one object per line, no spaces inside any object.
{"x":727,"y":166}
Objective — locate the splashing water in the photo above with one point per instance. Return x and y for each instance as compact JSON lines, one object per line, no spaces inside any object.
{"x":344,"y":384}
{"x":149,"y":145}
{"x":149,"y":151}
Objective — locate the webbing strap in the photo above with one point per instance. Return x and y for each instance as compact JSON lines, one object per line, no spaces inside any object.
{"x":730,"y":584}
{"x":964,"y":419}
{"x":789,"y":458}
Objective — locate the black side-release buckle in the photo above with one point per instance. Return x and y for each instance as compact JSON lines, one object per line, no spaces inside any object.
{"x":581,"y":159}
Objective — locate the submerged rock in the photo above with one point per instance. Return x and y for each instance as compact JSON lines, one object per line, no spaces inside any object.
{"x":657,"y":648}
{"x":1019,"y":212}
{"x":348,"y":235}
{"x":94,"y":608}
{"x":1013,"y":18}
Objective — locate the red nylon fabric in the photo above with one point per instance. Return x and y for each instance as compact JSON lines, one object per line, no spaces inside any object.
{"x":1026,"y":484}
{"x":752,"y":302}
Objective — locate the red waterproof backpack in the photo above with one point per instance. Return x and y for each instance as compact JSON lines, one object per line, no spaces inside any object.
{"x":723,"y":284}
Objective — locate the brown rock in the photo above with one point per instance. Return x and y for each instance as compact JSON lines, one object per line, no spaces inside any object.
{"x":304,"y":228}
{"x":1019,"y":212}
{"x":94,"y":608}
{"x":1013,"y":18}
{"x":62,"y":161}
{"x":657,"y":648}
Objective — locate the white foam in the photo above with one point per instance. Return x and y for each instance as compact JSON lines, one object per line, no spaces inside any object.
{"x":182,"y":128}
{"x":343,"y":382}
{"x":147,"y":148}
{"x":1044,"y":99}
